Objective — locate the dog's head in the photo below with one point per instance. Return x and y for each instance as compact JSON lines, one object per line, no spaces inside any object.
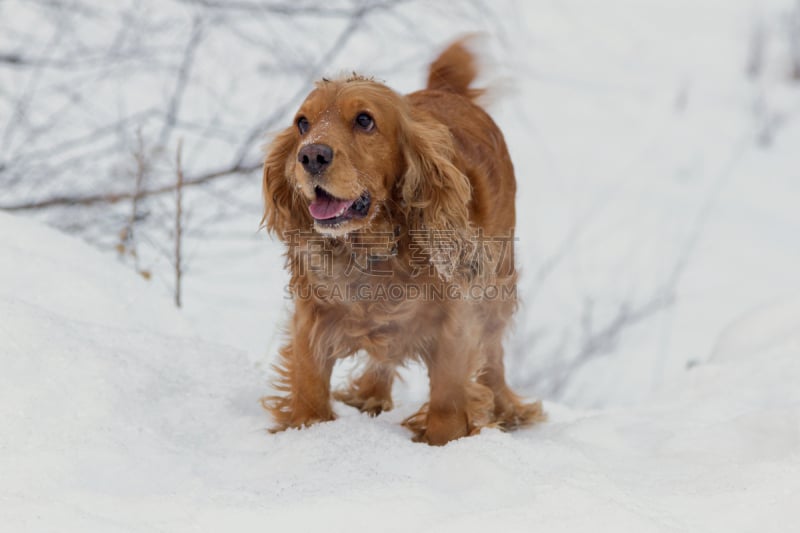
{"x":357,"y":156}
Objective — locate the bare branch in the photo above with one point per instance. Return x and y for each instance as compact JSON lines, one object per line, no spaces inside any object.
{"x":794,"y":41}
{"x":83,"y":140}
{"x":127,"y":236}
{"x":286,"y":9}
{"x":181,"y":81}
{"x":114,"y":197}
{"x":178,"y":257}
{"x":755,"y":55}
{"x":603,"y":341}
{"x":12,"y":59}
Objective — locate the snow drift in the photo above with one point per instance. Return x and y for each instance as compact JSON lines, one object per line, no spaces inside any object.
{"x":117,"y":417}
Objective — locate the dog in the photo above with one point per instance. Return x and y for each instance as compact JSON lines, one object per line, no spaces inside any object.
{"x":398,"y":215}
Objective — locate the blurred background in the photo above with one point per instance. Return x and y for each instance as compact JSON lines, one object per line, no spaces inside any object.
{"x":656,"y":144}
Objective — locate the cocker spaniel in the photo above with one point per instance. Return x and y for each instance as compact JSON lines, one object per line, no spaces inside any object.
{"x":398,"y":215}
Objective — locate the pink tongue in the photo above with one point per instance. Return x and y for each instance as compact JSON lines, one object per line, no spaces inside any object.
{"x":325,"y":208}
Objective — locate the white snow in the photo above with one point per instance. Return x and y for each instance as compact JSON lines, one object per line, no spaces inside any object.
{"x":111,"y":421}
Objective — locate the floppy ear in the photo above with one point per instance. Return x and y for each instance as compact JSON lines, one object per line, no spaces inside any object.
{"x":284,"y":207}
{"x":436,"y":195}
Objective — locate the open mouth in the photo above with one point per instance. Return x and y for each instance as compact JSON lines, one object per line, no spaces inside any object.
{"x":328,"y":210}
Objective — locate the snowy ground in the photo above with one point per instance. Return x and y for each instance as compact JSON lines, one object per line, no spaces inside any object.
{"x":116,"y":417}
{"x":649,"y":165}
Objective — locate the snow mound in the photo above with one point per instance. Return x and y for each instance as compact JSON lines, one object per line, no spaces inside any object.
{"x":44,"y":269}
{"x":115,"y":418}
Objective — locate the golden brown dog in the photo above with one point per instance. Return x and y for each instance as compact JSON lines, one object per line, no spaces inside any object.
{"x":398,"y":212}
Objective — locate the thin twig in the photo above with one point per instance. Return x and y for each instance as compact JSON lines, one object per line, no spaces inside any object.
{"x":127,"y":244}
{"x":178,"y":259}
{"x":180,"y":83}
{"x":286,"y":9}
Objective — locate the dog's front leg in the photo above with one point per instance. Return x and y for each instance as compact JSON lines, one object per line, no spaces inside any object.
{"x":458,"y":406}
{"x":303,"y":377}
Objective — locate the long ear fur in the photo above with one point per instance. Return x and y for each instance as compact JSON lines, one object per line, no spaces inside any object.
{"x":435,"y":194}
{"x":284,"y":208}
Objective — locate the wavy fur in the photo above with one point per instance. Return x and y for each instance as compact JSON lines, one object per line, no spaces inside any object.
{"x":441,"y":187}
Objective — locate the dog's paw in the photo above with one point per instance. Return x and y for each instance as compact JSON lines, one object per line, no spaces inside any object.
{"x":417,"y":423}
{"x":513,"y":414}
{"x":372,"y":405}
{"x":437,"y":429}
{"x":287,"y":415}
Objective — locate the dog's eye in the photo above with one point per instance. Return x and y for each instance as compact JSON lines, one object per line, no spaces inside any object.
{"x":302,"y":125}
{"x":365,"y":122}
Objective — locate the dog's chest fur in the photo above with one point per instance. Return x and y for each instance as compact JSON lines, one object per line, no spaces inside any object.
{"x":370,"y":295}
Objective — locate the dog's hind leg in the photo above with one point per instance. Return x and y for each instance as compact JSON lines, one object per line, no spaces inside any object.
{"x":510,"y":412}
{"x":371,"y":392}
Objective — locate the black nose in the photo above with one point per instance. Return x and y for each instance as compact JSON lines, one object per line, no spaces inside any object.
{"x":315,"y":157}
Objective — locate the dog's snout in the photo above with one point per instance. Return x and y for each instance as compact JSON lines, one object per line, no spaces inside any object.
{"x":315,"y":157}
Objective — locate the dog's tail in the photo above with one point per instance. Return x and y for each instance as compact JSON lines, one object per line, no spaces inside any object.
{"x":454,"y":70}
